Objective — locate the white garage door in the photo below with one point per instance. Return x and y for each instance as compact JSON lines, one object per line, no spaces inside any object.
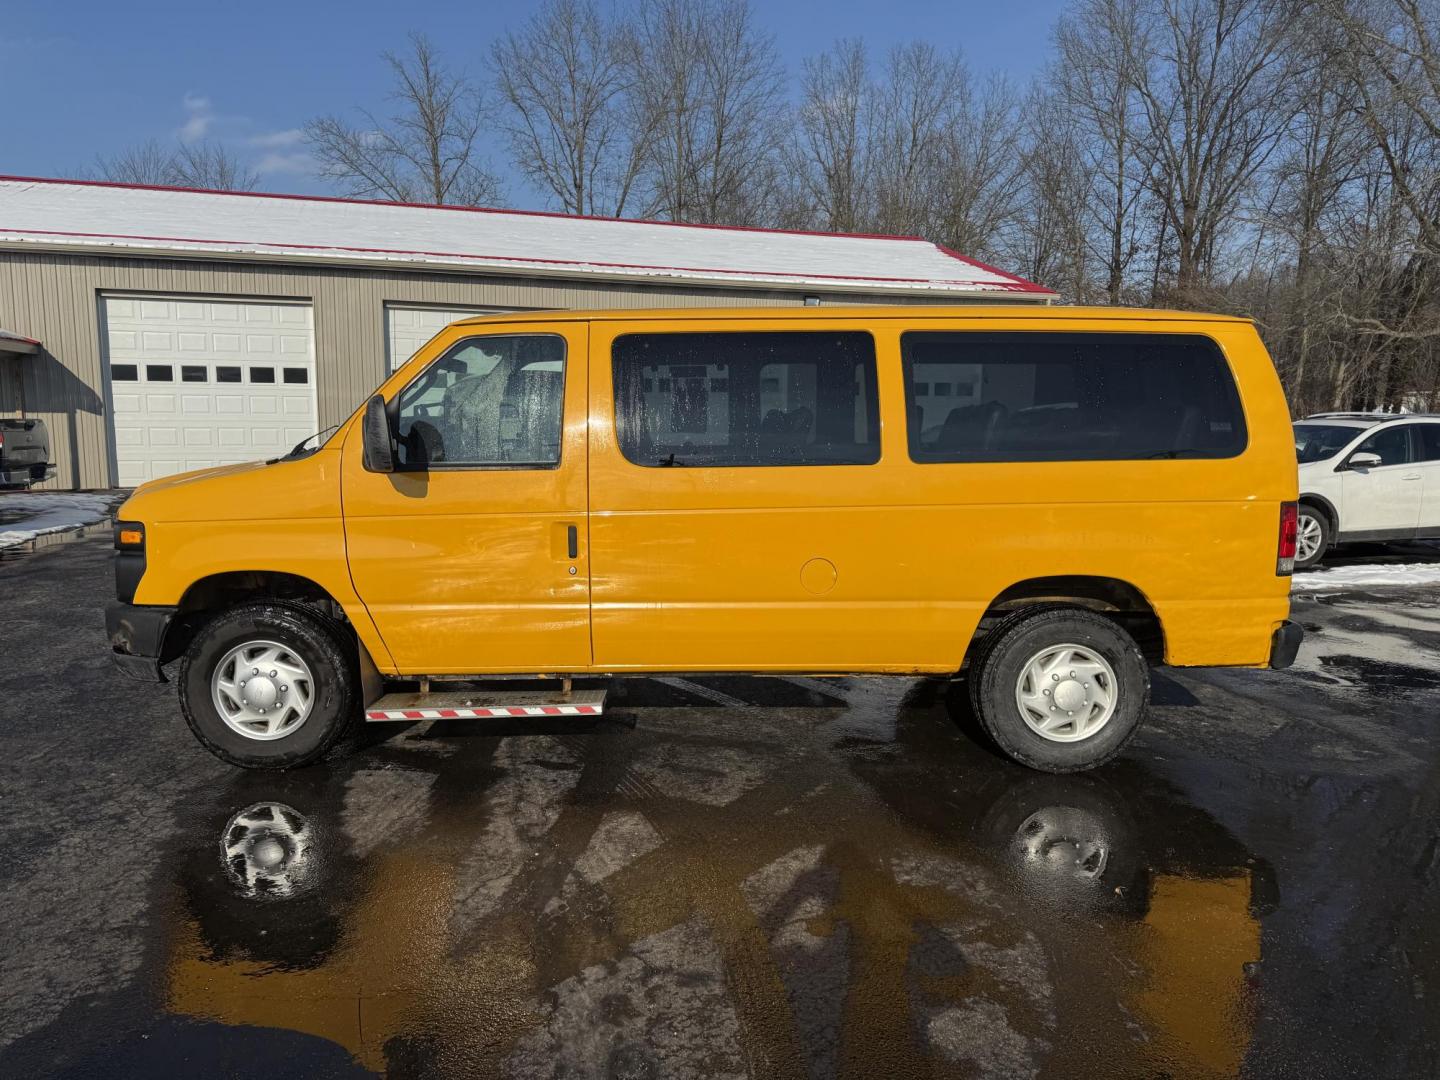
{"x":195,"y":382}
{"x":408,"y":328}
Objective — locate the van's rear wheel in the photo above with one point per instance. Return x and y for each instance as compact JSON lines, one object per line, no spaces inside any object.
{"x":269,"y":685}
{"x":1060,"y":690}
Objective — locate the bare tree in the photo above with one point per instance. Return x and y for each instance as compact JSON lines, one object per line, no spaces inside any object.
{"x":1048,"y":237}
{"x":565,"y":78}
{"x":1209,"y":83}
{"x":427,"y":151}
{"x":208,"y":164}
{"x":830,"y":158}
{"x":708,"y":90}
{"x":982,"y":171}
{"x":919,"y":101}
{"x":1096,"y":48}
{"x":204,"y":164}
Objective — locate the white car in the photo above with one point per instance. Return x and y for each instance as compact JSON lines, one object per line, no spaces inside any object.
{"x":1366,"y":476}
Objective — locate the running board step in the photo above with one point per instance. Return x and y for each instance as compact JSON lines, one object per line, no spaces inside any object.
{"x":465,"y":706}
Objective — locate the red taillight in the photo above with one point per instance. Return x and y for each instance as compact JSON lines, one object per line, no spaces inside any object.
{"x":1289,"y":526}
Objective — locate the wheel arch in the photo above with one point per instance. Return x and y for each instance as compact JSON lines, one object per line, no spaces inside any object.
{"x":1115,"y":598}
{"x":1325,"y":506}
{"x":217,"y":592}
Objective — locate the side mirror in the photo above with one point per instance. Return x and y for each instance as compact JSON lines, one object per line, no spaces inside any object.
{"x":379,"y":446}
{"x":1364,"y":461}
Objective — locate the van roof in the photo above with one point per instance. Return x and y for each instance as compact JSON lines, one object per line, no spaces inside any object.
{"x":898,"y":311}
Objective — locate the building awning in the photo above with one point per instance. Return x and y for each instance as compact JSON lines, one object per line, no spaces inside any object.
{"x":14,"y":344}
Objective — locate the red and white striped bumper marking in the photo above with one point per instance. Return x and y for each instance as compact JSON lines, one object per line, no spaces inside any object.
{"x":482,"y":711}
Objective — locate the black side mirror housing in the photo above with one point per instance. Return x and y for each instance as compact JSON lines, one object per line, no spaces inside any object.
{"x":379,"y":445}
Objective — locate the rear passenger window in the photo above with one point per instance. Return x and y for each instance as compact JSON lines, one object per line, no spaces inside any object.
{"x":744,"y":399}
{"x":1032,"y":396}
{"x":1429,"y":441}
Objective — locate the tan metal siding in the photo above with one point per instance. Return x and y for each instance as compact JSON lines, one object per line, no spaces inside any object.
{"x":55,"y":299}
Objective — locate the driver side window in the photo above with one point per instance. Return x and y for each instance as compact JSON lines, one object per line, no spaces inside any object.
{"x":489,"y":401}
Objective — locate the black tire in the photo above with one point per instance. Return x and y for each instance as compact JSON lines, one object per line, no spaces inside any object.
{"x":996,"y":671}
{"x":324,"y":646}
{"x":1327,"y":534}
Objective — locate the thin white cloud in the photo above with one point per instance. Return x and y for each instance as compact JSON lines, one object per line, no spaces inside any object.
{"x":296,"y":164}
{"x":276,"y":140}
{"x":198,"y":117}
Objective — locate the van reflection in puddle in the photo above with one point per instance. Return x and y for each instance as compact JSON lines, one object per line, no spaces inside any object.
{"x":878,"y":906}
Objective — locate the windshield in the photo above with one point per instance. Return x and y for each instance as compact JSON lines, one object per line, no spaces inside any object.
{"x":1316,"y":442}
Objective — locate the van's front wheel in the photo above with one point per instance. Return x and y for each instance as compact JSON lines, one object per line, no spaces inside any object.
{"x":1060,"y":690}
{"x":269,"y":685}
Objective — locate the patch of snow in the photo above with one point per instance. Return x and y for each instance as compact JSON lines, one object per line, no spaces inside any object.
{"x":50,"y":512}
{"x":1371,"y":575}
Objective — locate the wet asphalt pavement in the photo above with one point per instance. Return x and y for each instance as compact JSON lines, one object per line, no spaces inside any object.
{"x":726,"y":877}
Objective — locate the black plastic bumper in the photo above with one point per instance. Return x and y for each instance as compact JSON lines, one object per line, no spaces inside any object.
{"x":1285,"y":644}
{"x":11,"y":475}
{"x":137,"y":638}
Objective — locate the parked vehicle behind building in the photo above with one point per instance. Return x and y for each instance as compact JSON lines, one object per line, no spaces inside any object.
{"x":1050,"y":500}
{"x":1366,"y":476}
{"x":24,"y":453}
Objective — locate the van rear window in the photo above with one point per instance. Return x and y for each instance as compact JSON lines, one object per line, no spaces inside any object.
{"x":745,"y":399}
{"x":1034,"y":396}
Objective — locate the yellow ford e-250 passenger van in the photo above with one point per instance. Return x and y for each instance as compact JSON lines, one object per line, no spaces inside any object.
{"x":1051,"y":499}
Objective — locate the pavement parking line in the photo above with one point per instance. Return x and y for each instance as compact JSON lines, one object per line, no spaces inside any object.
{"x":716,"y":696}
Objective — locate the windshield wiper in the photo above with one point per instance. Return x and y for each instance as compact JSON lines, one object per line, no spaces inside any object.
{"x":670,"y":462}
{"x":298,"y":450}
{"x":1175,"y":453}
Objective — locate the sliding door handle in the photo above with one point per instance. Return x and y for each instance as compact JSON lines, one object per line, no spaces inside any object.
{"x":572,"y":541}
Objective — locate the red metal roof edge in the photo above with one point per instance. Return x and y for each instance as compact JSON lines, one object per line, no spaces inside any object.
{"x":11,"y":335}
{"x":1023,"y":284}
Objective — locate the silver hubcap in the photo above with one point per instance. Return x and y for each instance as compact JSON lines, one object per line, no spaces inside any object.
{"x":266,"y":848}
{"x":1066,"y":693}
{"x":262,"y":690}
{"x":1307,"y":538}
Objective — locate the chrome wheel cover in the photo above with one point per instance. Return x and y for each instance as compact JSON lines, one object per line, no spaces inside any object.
{"x":1308,"y":537}
{"x":1066,"y":693}
{"x":262,"y":690}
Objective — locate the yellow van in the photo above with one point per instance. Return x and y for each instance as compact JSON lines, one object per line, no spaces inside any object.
{"x":1049,"y":499}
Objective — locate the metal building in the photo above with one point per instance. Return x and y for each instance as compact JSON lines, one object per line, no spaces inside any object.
{"x":158,"y":330}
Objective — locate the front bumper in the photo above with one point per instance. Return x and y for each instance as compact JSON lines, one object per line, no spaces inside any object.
{"x":1285,"y":643}
{"x":137,"y":638}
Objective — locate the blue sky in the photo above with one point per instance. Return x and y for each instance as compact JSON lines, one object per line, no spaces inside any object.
{"x":84,"y":78}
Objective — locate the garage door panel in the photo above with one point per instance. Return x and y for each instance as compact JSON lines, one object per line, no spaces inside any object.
{"x":237,"y":404}
{"x":407,"y":328}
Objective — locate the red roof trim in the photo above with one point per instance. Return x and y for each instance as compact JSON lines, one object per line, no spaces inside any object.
{"x":10,"y":335}
{"x":522,"y":260}
{"x":1021,"y":285}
